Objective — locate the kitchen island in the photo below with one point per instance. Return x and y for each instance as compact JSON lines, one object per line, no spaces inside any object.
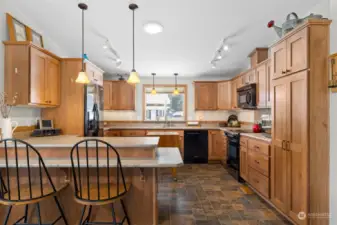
{"x":140,"y":158}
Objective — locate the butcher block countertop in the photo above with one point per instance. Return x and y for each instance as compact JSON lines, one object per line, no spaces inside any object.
{"x":68,"y":141}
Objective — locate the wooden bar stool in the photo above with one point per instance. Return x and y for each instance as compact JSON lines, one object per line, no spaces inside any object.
{"x":93,"y":178}
{"x":27,"y":187}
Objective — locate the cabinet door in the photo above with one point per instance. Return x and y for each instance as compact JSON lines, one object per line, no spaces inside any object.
{"x":297,"y":51}
{"x":107,"y":86}
{"x":279,"y":168}
{"x":279,"y":60}
{"x":251,"y":77}
{"x":213,"y":145}
{"x":261,"y":75}
{"x":37,"y":76}
{"x":126,"y":96}
{"x":244,"y":163}
{"x":297,"y":145}
{"x":269,"y":84}
{"x":52,"y":79}
{"x":114,"y":95}
{"x":234,"y":94}
{"x":224,"y":95}
{"x":206,"y":96}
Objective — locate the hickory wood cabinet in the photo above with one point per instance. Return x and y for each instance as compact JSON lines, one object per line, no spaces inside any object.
{"x":216,"y":149}
{"x":290,"y":55}
{"x":255,"y":164}
{"x":300,"y":97}
{"x":119,"y":95}
{"x":244,"y":158}
{"x":234,"y":96}
{"x":33,"y":74}
{"x":224,"y":95}
{"x":206,"y":95}
{"x":69,"y":115}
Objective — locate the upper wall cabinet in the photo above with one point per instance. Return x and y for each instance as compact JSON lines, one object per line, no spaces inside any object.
{"x":206,"y":95}
{"x":119,"y":95}
{"x":262,"y":87}
{"x":290,"y":55}
{"x":95,"y":74}
{"x":33,"y":74}
{"x":224,"y":95}
{"x":234,"y":97}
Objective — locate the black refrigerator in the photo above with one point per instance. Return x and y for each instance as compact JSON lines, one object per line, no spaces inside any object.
{"x":93,"y":109}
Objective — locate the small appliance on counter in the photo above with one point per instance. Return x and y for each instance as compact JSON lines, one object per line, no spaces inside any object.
{"x":247,"y":97}
{"x":45,"y":128}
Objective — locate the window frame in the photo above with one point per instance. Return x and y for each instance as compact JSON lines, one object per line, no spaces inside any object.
{"x":164,"y":85}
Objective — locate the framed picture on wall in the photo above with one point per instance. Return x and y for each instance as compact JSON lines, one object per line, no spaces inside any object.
{"x":36,"y":38}
{"x":17,"y":30}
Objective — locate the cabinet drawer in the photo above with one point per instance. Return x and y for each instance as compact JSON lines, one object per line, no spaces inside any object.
{"x":258,"y":146}
{"x":133,"y":133}
{"x":112,"y":133}
{"x":258,"y":162}
{"x":259,"y":182}
{"x":244,"y":142}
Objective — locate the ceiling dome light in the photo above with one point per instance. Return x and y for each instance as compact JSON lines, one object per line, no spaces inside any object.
{"x":153,"y":28}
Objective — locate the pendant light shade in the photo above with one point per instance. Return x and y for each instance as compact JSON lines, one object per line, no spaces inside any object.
{"x":176,"y":91}
{"x":82,"y":77}
{"x":134,"y":77}
{"x":153,"y":92}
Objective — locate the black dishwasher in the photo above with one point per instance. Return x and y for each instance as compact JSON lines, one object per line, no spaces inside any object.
{"x":195,"y":146}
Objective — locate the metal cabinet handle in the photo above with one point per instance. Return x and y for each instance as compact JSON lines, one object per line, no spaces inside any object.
{"x":284,"y":72}
{"x":288,"y":145}
{"x":257,"y":162}
{"x":283,"y":145}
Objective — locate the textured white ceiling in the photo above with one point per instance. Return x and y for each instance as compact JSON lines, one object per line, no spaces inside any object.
{"x":193,"y":30}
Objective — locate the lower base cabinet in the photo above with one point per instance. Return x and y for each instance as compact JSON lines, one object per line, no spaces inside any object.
{"x":259,"y":182}
{"x":216,"y":144}
{"x":255,"y":164}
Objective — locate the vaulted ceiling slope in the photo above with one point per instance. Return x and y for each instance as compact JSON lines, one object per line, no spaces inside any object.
{"x":193,"y":30}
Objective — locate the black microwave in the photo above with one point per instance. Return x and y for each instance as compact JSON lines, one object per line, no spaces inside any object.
{"x":247,"y":96}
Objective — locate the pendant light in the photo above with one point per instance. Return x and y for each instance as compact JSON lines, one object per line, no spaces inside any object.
{"x":176,"y":91}
{"x":153,"y":92}
{"x":134,"y":77}
{"x":82,"y":77}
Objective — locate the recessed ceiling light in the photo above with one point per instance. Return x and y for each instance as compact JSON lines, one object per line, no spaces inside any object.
{"x":153,"y":28}
{"x":226,"y":47}
{"x":219,"y":56}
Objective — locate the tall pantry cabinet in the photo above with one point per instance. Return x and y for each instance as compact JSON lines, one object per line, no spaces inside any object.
{"x":300,"y":110}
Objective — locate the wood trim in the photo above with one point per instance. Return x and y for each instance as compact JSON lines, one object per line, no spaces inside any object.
{"x":28,"y":43}
{"x":165,"y":85}
{"x":10,"y":26}
{"x":257,"y":49}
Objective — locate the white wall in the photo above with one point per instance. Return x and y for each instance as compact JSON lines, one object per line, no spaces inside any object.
{"x":247,"y":116}
{"x":333,"y":122}
{"x":25,"y":116}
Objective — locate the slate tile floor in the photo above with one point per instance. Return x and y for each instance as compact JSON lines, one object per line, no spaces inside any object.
{"x":208,"y":195}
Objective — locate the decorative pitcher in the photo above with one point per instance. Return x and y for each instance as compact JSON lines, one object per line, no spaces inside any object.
{"x":8,"y":127}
